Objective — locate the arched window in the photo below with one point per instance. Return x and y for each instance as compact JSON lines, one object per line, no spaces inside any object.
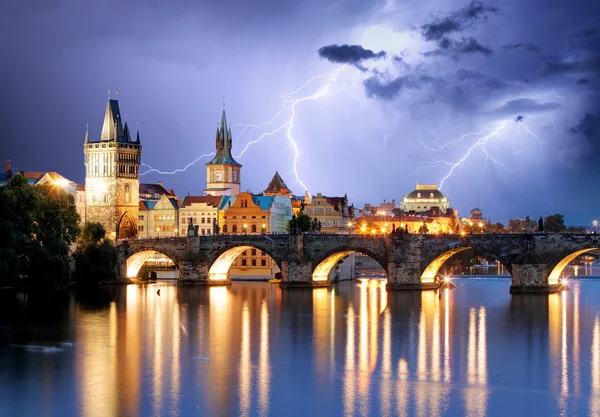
{"x":234,"y":229}
{"x":253,"y":228}
{"x":127,"y":195}
{"x":224,"y":228}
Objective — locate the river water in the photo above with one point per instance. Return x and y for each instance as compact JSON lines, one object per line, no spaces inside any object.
{"x":252,"y":349}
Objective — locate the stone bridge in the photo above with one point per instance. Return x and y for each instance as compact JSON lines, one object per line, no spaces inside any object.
{"x":412,"y":261}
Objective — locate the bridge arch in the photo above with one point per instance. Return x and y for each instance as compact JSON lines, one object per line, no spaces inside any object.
{"x":126,"y":226}
{"x":323,"y":267}
{"x":433,"y":266}
{"x":137,"y":259}
{"x":221,"y":265}
{"x":556,"y":272}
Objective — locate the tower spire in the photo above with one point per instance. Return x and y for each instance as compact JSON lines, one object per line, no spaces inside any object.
{"x":87,"y":132}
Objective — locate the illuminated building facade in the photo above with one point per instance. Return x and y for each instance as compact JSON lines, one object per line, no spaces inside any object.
{"x":223,"y":172}
{"x":158,"y":218}
{"x":424,"y":198}
{"x":334,"y":213}
{"x":203,"y":210}
{"x":112,"y":176}
{"x":246,"y":213}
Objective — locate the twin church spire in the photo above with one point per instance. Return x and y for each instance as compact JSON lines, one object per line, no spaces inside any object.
{"x":223,"y":145}
{"x":113,"y":128}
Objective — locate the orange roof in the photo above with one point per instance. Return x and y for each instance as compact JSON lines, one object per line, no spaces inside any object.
{"x":210,"y":200}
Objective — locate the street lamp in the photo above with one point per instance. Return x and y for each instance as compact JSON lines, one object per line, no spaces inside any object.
{"x":349,"y":224}
{"x":244,"y":227}
{"x":264,"y":228}
{"x":595,"y":223}
{"x":471,"y":226}
{"x":481,"y":226}
{"x":158,"y":232}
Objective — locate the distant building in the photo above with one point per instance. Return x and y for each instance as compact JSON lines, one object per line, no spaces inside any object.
{"x":277,"y":187}
{"x":386,"y":208}
{"x":203,"y":210}
{"x":334,"y":213}
{"x":112,"y":176}
{"x":424,"y":198}
{"x":223,"y":172}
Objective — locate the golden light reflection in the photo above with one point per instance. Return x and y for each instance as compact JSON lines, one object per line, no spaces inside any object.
{"x":175,"y":361}
{"x":402,"y":392}
{"x":386,"y":365}
{"x":137,"y":260}
{"x":157,"y":369}
{"x":447,"y":372}
{"x":576,"y":369}
{"x":477,"y":396}
{"x":595,"y":369}
{"x":264,"y":375}
{"x":99,"y":396}
{"x":245,"y":369}
{"x":349,"y":393}
{"x":320,"y":323}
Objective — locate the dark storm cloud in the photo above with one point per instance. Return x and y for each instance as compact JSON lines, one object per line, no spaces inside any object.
{"x":583,"y":81}
{"x":522,"y":46}
{"x":585,"y":33}
{"x":465,"y":18}
{"x":588,"y":126}
{"x":589,"y":64}
{"x":523,"y":106}
{"x":450,"y":47}
{"x":466,"y":74}
{"x":349,"y":54}
{"x":376,"y":87}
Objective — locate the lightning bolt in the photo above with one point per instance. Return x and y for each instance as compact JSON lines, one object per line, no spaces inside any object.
{"x":289,"y":100}
{"x":531,"y":133}
{"x":480,"y":144}
{"x":150,"y":169}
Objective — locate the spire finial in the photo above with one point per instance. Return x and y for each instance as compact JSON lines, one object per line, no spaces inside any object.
{"x":223,"y":103}
{"x":109,"y":92}
{"x":117,"y":92}
{"x":87,"y":127}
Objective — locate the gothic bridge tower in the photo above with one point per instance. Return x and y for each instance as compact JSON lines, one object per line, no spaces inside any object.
{"x":112,"y":176}
{"x":223,"y":172}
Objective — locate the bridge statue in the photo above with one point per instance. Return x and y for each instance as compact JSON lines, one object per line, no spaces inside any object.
{"x":411,"y":261}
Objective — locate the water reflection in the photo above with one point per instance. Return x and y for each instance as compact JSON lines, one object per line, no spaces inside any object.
{"x":353,"y":350}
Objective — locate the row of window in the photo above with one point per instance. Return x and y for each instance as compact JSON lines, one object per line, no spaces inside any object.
{"x":250,"y":229}
{"x":204,"y":232}
{"x":243,"y":217}
{"x":244,"y":262}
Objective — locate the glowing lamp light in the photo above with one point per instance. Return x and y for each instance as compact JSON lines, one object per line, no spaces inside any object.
{"x":462,"y":233}
{"x":373,"y":231}
{"x":62,"y":183}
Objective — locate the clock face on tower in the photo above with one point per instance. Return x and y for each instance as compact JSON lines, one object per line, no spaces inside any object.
{"x":219,"y":176}
{"x":235,"y":176}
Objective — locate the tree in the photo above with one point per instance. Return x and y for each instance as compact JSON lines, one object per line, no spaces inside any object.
{"x":555,"y":223}
{"x":304,"y":222}
{"x":96,"y":257}
{"x":37,"y":226}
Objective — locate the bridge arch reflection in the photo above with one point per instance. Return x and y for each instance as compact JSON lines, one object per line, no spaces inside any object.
{"x":558,"y":269}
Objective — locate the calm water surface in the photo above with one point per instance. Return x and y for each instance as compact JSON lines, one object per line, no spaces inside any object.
{"x":254,"y":350}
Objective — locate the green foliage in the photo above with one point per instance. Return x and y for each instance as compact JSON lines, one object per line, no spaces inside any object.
{"x":304,"y":222}
{"x":96,"y":257}
{"x":554,"y":223}
{"x":37,"y":225}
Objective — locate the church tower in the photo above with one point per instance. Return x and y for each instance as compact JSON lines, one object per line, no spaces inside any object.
{"x":223,"y":172}
{"x":112,"y":176}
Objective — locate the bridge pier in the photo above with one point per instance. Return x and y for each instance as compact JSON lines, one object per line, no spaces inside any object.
{"x":532,"y":278}
{"x":195,"y":272}
{"x":298,"y":274}
{"x":407,"y":276}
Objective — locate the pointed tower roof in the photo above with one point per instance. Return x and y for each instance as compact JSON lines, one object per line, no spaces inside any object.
{"x":137,"y":139}
{"x":87,"y":133}
{"x":277,"y":185}
{"x":223,"y":145}
{"x":112,"y":128}
{"x":126,"y":134}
